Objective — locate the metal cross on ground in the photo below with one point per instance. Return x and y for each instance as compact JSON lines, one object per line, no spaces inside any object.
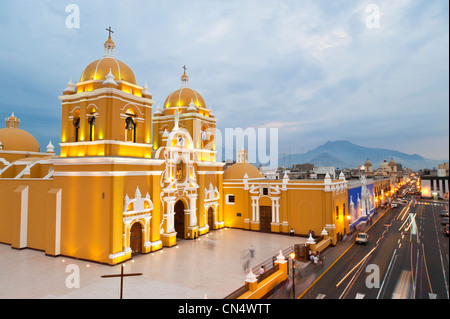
{"x":121,"y":275}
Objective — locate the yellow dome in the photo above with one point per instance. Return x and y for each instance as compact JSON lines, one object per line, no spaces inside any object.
{"x":238,"y":171}
{"x":98,"y":70}
{"x":183,"y":97}
{"x":16,"y":139}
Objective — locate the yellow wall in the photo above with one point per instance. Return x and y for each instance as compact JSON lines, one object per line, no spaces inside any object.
{"x":304,"y":207}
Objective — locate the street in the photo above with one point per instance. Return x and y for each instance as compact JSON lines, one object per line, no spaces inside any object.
{"x":407,"y":257}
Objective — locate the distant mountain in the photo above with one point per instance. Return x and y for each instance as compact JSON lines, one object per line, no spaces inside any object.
{"x":325,"y":159}
{"x":344,"y":154}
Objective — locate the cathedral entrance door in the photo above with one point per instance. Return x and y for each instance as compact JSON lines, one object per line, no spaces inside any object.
{"x":211,"y":218}
{"x":179,"y":219}
{"x":265,"y":218}
{"x":136,"y":239}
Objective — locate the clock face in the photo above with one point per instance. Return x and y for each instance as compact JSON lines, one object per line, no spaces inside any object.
{"x":181,"y":141}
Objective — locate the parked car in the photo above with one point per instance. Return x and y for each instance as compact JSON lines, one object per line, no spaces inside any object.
{"x":362,"y":238}
{"x":445,"y":220}
{"x":444,"y":213}
{"x":446,"y":230}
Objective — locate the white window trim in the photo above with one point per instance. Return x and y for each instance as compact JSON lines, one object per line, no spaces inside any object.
{"x":228,"y":199}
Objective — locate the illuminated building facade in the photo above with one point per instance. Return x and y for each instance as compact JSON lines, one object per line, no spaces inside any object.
{"x":132,"y":180}
{"x":111,"y":194}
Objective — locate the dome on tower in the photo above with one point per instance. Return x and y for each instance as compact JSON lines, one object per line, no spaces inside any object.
{"x":392,"y":162}
{"x":12,"y":138}
{"x":98,"y":69}
{"x":184,"y":96}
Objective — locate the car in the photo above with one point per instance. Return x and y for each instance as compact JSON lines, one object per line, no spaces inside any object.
{"x":362,"y":238}
{"x":393,"y":204}
{"x":445,"y":220}
{"x":444,"y":213}
{"x":446,"y":230}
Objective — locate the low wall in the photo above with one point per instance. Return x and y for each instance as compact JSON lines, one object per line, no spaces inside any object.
{"x":320,"y":246}
{"x":258,"y":289}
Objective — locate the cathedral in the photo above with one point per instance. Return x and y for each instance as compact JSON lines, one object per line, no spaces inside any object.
{"x":131,"y":179}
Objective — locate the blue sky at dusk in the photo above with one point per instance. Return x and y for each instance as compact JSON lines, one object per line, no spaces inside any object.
{"x":312,"y":69}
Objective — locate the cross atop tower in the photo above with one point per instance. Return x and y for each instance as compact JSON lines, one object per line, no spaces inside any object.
{"x":184,"y":78}
{"x":109,"y":30}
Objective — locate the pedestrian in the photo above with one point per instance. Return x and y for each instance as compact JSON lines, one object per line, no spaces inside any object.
{"x":262,"y":270}
{"x":321,"y":259}
{"x":252,"y":251}
{"x":246,"y":264}
{"x":291,"y":233}
{"x":316,"y":259}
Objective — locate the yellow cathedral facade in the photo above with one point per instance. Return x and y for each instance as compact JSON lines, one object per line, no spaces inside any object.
{"x":131,"y":180}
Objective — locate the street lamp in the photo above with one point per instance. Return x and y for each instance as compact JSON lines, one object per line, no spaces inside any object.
{"x":292,"y":255}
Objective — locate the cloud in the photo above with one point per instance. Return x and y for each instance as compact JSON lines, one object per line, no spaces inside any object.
{"x":313,"y":69}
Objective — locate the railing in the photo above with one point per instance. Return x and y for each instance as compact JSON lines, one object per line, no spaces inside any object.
{"x":267,"y":273}
{"x":238,"y":292}
{"x":269,"y":263}
{"x":270,"y":267}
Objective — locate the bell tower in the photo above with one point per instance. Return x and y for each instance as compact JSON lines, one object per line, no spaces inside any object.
{"x":106,"y":113}
{"x":186,"y":109}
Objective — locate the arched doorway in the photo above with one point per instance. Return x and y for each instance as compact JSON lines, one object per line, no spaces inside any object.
{"x":179,"y":219}
{"x":211,"y":218}
{"x":136,"y":239}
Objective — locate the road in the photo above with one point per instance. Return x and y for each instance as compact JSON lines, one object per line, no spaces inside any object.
{"x":407,"y":257}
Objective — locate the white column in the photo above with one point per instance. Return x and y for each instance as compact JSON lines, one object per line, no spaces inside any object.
{"x":193,"y":210}
{"x":276,"y":205}
{"x":255,"y":205}
{"x":24,"y":218}
{"x":254,"y":208}
{"x":170,"y":214}
{"x":275,"y":210}
{"x":126,"y":234}
{"x":58,"y":223}
{"x":147,"y":231}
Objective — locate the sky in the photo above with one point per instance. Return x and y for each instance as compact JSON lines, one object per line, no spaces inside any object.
{"x":375,"y":73}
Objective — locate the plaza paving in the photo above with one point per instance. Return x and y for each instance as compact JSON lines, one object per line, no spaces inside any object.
{"x":210,"y":267}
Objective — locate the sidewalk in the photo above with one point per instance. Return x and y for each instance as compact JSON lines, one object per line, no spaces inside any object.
{"x":309,"y":274}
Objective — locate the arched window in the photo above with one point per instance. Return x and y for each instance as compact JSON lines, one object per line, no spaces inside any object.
{"x":130,"y":126}
{"x":76,"y":124}
{"x":204,"y":136}
{"x":91,"y":122}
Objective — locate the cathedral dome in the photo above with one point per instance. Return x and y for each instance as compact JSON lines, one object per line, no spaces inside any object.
{"x":184,"y":96}
{"x":98,"y":69}
{"x":16,"y":139}
{"x":238,"y":171}
{"x":12,"y":138}
{"x":241,"y":168}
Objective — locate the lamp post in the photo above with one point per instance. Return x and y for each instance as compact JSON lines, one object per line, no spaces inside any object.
{"x":292,"y":255}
